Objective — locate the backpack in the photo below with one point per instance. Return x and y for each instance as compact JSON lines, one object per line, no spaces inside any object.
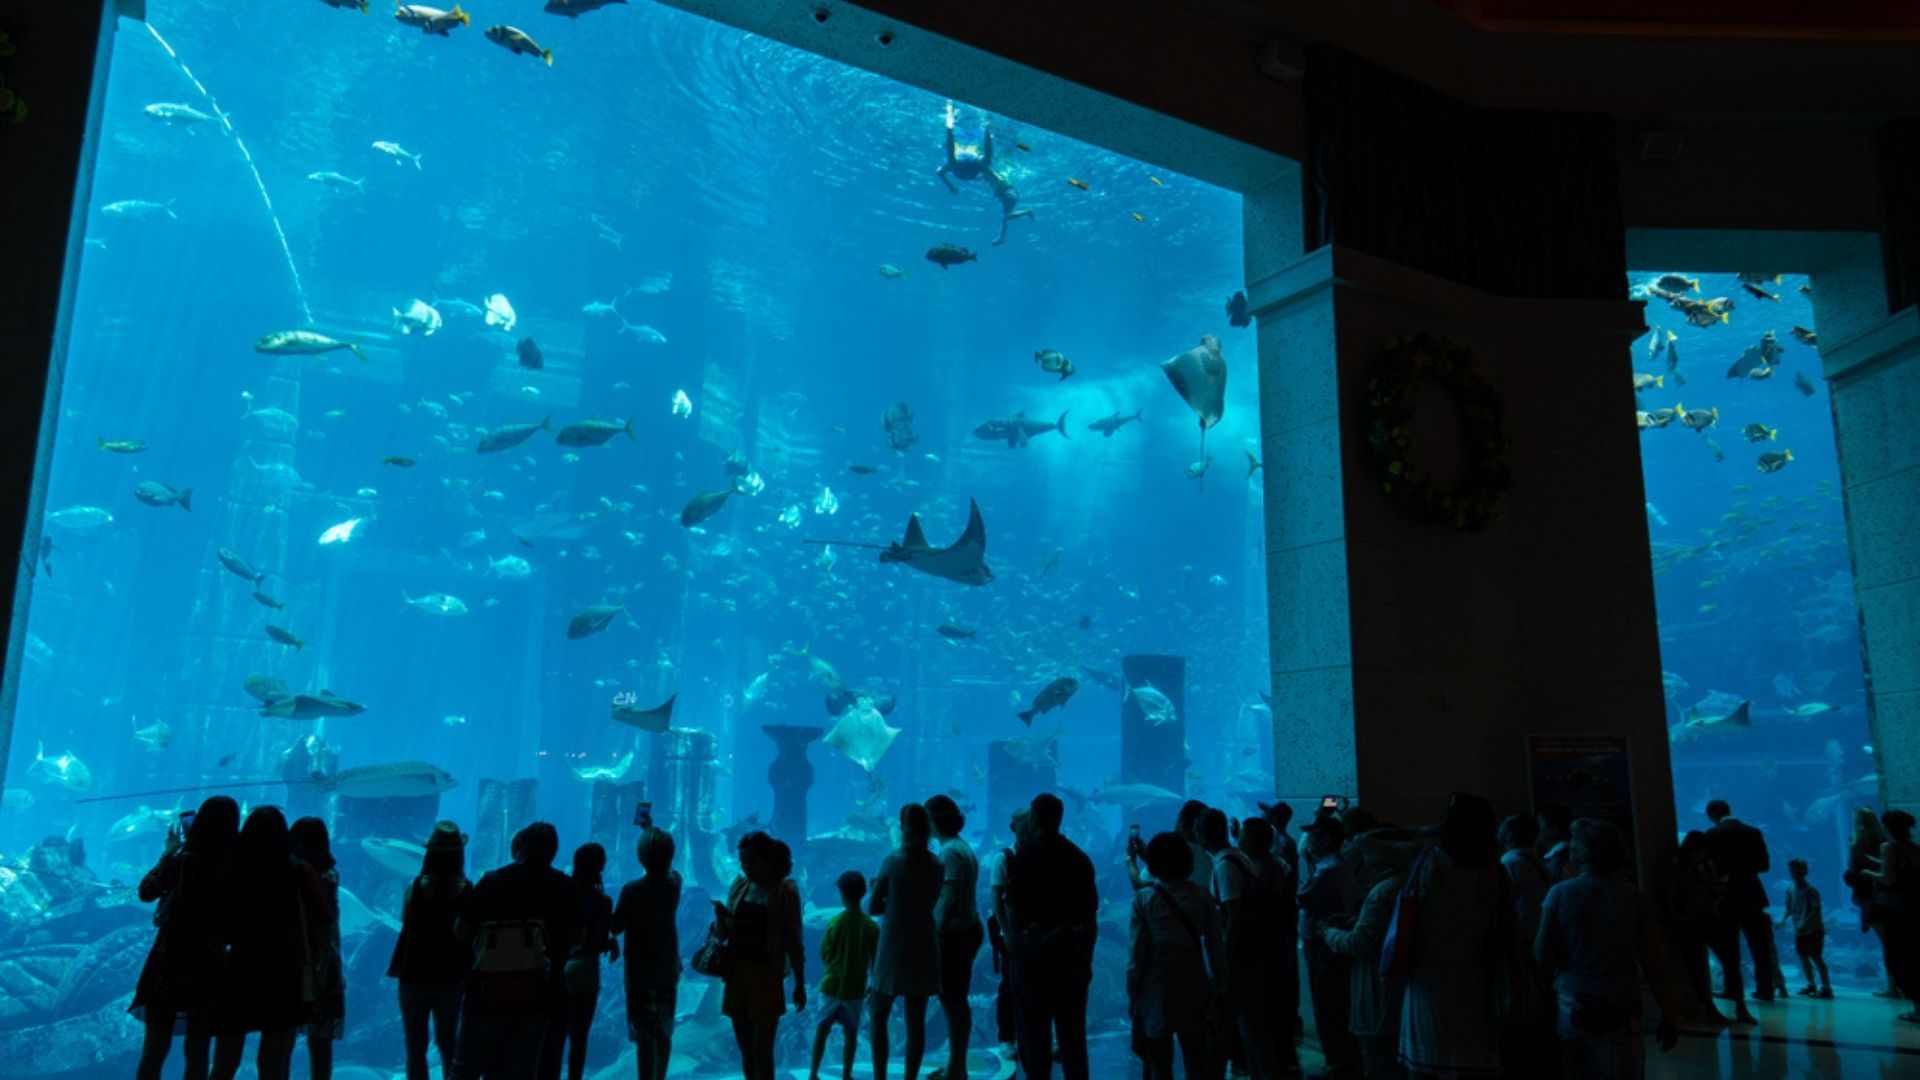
{"x":509,"y":967}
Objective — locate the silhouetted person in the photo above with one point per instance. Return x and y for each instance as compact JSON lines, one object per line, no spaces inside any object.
{"x":1863,"y":854}
{"x":325,"y":973}
{"x":1277,"y":896}
{"x":567,"y":1033}
{"x":1051,"y":908}
{"x":1526,"y":871}
{"x":1242,"y":1008}
{"x":646,"y":916}
{"x":1690,"y":907}
{"x":1176,"y":963}
{"x":905,"y":893}
{"x":957,"y":917}
{"x":1897,"y":898}
{"x":1374,"y":1002}
{"x":1554,"y":820}
{"x":762,"y":920}
{"x":523,"y":920}
{"x":1280,"y":815}
{"x":1465,"y":920}
{"x":1328,"y":894}
{"x":847,"y":953}
{"x":432,"y":964}
{"x":1005,"y":1010}
{"x":1596,"y":936}
{"x":1186,"y":825}
{"x":262,"y":982}
{"x":181,"y":974}
{"x":1740,"y":853}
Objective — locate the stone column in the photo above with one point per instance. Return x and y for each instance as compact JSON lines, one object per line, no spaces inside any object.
{"x":1872,"y":365}
{"x":790,"y":775}
{"x":1017,"y":770}
{"x":1409,"y":660}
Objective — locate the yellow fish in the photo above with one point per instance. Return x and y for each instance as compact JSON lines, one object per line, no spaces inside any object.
{"x":1137,"y":217}
{"x":1155,"y":181}
{"x":1079,"y":183}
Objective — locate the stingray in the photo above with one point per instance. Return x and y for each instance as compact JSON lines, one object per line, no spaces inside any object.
{"x":964,"y":561}
{"x":1199,"y":375}
{"x":862,"y":734}
{"x":655,"y":719}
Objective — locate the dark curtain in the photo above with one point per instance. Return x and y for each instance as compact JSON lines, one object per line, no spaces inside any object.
{"x":1898,"y":153}
{"x":1512,"y":202}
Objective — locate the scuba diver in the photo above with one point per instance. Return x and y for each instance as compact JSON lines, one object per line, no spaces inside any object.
{"x":972,"y":161}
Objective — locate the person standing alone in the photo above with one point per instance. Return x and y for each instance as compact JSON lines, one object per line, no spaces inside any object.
{"x":1740,"y":852}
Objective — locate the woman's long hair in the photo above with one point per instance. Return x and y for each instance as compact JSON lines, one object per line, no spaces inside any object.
{"x":311,"y":844}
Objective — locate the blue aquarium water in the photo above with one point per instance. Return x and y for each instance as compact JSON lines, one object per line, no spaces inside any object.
{"x":719,"y":246}
{"x":1759,"y":632}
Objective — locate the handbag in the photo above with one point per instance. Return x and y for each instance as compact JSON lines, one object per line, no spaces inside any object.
{"x":714,"y":958}
{"x":1396,"y":949}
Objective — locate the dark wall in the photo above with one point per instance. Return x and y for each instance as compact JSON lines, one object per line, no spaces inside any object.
{"x":57,"y":65}
{"x":1512,"y":202}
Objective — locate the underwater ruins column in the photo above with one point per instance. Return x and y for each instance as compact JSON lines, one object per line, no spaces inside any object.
{"x":1411,"y":659}
{"x":1150,"y":752}
{"x":1872,"y":364}
{"x":790,"y":775}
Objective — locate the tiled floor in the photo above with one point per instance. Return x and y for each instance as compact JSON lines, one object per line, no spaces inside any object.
{"x":1852,"y":1037}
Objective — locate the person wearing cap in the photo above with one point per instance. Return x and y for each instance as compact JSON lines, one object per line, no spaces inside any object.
{"x":1328,"y":894}
{"x":430,"y":963}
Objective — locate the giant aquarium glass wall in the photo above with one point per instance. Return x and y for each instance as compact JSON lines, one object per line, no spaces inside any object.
{"x":449,"y":431}
{"x":1759,"y":631}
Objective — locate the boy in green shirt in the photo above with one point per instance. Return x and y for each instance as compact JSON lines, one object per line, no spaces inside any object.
{"x":847,"y":950}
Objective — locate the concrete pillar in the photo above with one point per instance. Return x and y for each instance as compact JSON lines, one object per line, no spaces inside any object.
{"x":1872,"y":365}
{"x":1410,"y":660}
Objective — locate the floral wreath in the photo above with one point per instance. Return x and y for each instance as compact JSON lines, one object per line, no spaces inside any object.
{"x":11,"y":107}
{"x":1390,"y":409}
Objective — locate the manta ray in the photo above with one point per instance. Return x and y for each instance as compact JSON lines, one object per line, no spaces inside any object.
{"x":1199,"y":376}
{"x":964,"y":561}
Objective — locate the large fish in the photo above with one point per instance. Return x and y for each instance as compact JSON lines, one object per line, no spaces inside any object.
{"x":573,"y":9}
{"x":1017,"y":430}
{"x":1132,"y":795}
{"x":420,"y":316}
{"x":399,"y":779}
{"x":304,"y":343}
{"x":66,"y":770}
{"x":703,"y":506}
{"x":1154,"y":705}
{"x":1199,"y":376}
{"x":265,"y":687}
{"x":593,"y":432}
{"x":311,"y":706}
{"x":240,"y":566}
{"x":1052,"y":696}
{"x":963,"y":561}
{"x":401,"y":858}
{"x":431,"y":20}
{"x":592,"y":620}
{"x":1713,"y":715}
{"x":508,"y":436}
{"x":154,"y":493}
{"x":656,"y":719}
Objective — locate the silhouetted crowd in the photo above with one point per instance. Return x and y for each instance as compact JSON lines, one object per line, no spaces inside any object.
{"x":1467,"y":948}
